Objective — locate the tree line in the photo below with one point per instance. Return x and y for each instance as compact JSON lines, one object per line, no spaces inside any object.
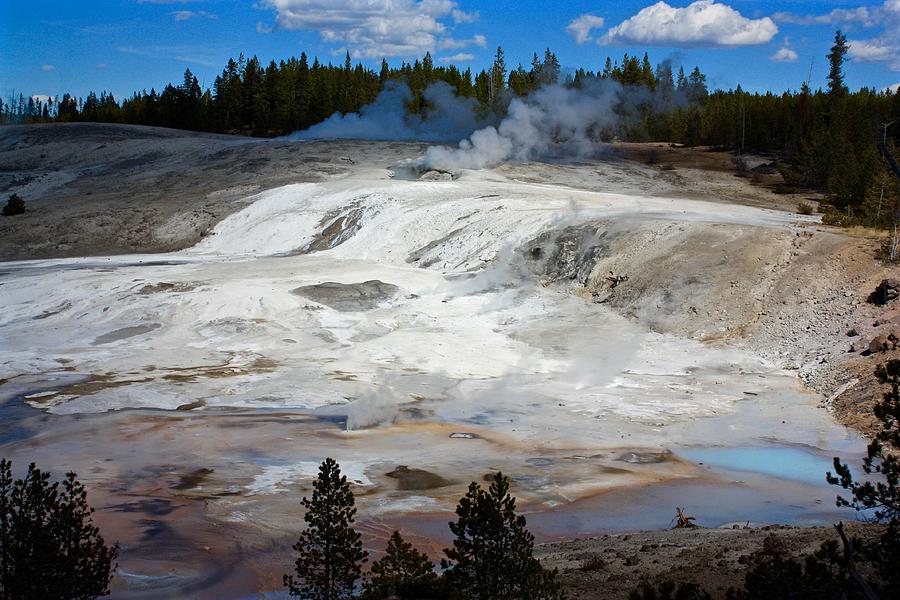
{"x":831,"y":139}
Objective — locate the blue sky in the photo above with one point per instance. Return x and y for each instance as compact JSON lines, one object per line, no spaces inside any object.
{"x":53,"y":47}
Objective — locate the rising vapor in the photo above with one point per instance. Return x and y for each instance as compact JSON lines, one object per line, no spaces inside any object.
{"x":555,"y":120}
{"x":447,"y":119}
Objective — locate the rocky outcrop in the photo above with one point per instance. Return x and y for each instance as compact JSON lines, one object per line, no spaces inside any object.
{"x":883,"y":343}
{"x":887,"y":290}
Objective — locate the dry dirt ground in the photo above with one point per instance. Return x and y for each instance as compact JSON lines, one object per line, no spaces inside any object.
{"x":94,"y":189}
{"x":611,"y":566}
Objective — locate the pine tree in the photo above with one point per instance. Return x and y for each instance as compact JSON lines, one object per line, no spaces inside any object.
{"x":49,"y":545}
{"x":492,"y":554}
{"x":681,"y":83}
{"x":696,"y":87}
{"x":404,"y":573}
{"x":498,"y":75}
{"x":550,"y":70}
{"x":836,"y":58}
{"x":330,"y":550}
{"x":607,"y":68}
{"x":880,"y":493}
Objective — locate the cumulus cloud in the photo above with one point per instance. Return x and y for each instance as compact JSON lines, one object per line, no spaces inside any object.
{"x":47,"y":68}
{"x":785,"y":53}
{"x":870,"y":51}
{"x":702,"y":23}
{"x":376,"y":28}
{"x":894,"y":87}
{"x":580,"y":28}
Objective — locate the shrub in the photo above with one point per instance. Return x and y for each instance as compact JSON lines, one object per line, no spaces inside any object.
{"x":890,"y":248}
{"x":784,"y":188}
{"x":775,"y":575}
{"x":669,"y":591}
{"x":593,"y":563}
{"x":805,"y":208}
{"x":14,"y":206}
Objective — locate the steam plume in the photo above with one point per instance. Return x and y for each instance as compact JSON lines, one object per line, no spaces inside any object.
{"x":553,"y":120}
{"x":447,"y":119}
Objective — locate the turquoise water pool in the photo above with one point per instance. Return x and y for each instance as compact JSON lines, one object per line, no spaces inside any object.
{"x":784,"y":462}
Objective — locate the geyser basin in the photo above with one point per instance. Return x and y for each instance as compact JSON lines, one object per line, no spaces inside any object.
{"x":426,"y":338}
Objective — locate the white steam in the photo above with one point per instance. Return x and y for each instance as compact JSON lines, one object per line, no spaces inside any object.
{"x":448,"y":118}
{"x":554,"y":119}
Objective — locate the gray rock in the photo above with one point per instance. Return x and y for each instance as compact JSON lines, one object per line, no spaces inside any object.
{"x":349,"y":297}
{"x":887,"y":290}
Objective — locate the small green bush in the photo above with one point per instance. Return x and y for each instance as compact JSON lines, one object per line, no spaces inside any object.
{"x":805,"y":208}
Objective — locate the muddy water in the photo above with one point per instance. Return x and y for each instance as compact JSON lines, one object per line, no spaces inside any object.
{"x":207,"y":504}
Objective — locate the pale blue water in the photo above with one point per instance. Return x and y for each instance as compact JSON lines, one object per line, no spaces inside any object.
{"x":783,"y":462}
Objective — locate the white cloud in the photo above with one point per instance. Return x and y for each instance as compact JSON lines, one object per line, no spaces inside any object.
{"x":580,"y":28}
{"x":451,"y":44}
{"x":882,"y":48}
{"x":784,"y":54}
{"x":182,"y":53}
{"x":262,"y":27}
{"x":47,"y":68}
{"x":870,"y":51}
{"x":184,"y":15}
{"x":862,"y":15}
{"x":894,"y":87}
{"x":101,"y":65}
{"x":456,"y":58}
{"x":460,"y":16}
{"x":376,"y":28}
{"x":702,"y":23}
